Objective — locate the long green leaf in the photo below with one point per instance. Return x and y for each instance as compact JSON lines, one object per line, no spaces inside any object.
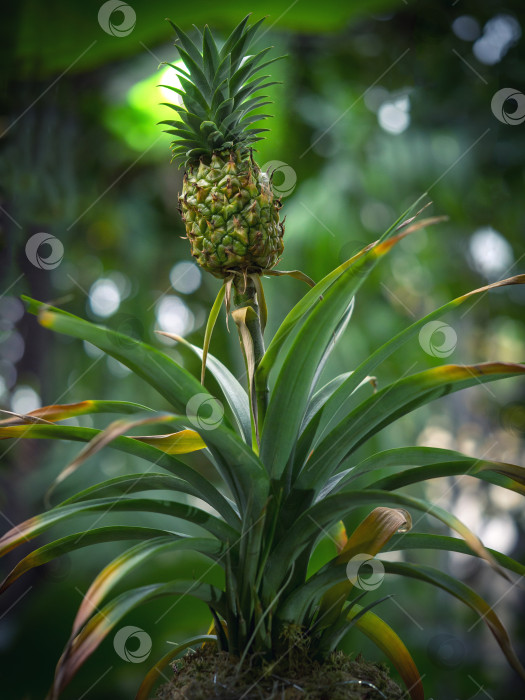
{"x":136,"y":556}
{"x":78,"y":540}
{"x":392,"y":402}
{"x":171,"y":381}
{"x":133,"y":483}
{"x":317,"y":519}
{"x":342,"y":402}
{"x":137,"y":448}
{"x":384,"y":637}
{"x":81,"y":408}
{"x":467,"y":596}
{"x":299,"y":369}
{"x":232,"y":389}
{"x":35,"y":526}
{"x":101,"y":624}
{"x":212,"y":318}
{"x":391,"y":469}
{"x":409,"y":541}
{"x":497,"y":473}
{"x":308,"y":302}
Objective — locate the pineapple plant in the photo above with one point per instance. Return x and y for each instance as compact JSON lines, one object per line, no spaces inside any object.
{"x":285,"y":454}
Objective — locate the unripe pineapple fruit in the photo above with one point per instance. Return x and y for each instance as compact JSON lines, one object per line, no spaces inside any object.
{"x":227,"y":204}
{"x":231,"y":215}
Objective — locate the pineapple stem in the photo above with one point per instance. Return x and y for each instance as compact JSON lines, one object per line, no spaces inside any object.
{"x":245,"y":294}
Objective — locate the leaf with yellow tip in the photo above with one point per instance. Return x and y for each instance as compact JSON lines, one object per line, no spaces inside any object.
{"x":339,"y":536}
{"x":71,"y":543}
{"x":62,"y":411}
{"x":33,"y":527}
{"x":134,"y":557}
{"x":105,"y":620}
{"x":384,"y":637}
{"x":103,"y":438}
{"x":343,"y":400}
{"x":180,"y":443}
{"x":467,"y":596}
{"x":310,"y":299}
{"x":368,"y":538}
{"x":170,"y":379}
{"x":389,"y":404}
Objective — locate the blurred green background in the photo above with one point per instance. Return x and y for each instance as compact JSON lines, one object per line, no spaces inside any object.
{"x":380,"y":101}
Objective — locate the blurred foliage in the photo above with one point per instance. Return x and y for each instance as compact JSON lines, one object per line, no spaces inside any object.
{"x":82,"y":159}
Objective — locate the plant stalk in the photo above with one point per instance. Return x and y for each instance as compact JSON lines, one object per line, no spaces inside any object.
{"x":244,"y":294}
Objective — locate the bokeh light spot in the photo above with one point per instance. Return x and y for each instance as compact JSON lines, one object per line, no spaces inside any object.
{"x":185,"y":277}
{"x":104,"y":297}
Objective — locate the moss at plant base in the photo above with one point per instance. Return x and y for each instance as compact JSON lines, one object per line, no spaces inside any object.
{"x":207,"y":674}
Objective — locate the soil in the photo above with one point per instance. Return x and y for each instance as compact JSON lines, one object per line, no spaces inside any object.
{"x":207,"y":674}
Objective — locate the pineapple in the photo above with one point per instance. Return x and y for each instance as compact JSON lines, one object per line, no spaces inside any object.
{"x":227,"y":204}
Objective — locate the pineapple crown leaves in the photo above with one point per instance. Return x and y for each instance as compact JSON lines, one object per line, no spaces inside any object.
{"x":220,"y":92}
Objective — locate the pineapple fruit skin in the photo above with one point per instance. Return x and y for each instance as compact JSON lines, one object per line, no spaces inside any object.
{"x":231,"y":215}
